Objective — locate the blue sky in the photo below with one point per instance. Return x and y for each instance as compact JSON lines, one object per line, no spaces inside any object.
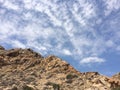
{"x":85,"y":33}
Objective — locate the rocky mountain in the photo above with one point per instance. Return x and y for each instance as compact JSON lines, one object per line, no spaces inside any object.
{"x":117,"y":76}
{"x":24,"y":69}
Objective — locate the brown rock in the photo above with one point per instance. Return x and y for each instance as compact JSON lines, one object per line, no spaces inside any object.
{"x":24,"y":68}
{"x":2,"y":48}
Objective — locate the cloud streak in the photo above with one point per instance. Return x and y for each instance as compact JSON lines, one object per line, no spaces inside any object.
{"x":92,"y":60}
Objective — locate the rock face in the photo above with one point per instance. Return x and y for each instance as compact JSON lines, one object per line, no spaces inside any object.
{"x":24,"y":69}
{"x":2,"y":48}
{"x":116,"y":76}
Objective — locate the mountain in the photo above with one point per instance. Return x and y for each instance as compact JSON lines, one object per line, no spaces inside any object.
{"x":117,"y":76}
{"x":24,"y":69}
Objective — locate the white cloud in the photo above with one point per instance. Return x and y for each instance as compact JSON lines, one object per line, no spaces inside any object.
{"x":118,"y":48}
{"x":90,"y":60}
{"x":28,"y":4}
{"x":111,"y":6}
{"x":1,"y":1}
{"x":16,"y":43}
{"x":110,"y":43}
{"x":10,"y":5}
{"x":66,"y":52}
{"x":61,"y":28}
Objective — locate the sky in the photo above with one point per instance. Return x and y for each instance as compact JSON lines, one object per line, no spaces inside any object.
{"x":85,"y":33}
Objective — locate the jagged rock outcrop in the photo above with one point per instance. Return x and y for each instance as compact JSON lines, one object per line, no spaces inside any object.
{"x":24,"y":69}
{"x":116,"y":76}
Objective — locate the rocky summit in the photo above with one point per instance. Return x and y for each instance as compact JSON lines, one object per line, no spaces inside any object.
{"x":24,"y":69}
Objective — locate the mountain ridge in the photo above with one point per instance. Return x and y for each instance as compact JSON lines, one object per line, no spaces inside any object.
{"x":24,"y":68}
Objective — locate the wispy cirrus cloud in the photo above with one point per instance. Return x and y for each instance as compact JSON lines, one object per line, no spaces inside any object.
{"x":111,"y":5}
{"x":72,"y":28}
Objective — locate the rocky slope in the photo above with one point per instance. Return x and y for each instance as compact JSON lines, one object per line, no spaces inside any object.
{"x":117,"y":76}
{"x":24,"y":69}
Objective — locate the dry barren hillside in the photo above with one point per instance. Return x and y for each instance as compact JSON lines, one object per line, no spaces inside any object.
{"x":24,"y":69}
